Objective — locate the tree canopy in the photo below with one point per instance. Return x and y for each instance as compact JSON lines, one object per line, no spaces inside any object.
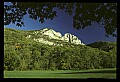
{"x":32,"y":55}
{"x":104,"y":14}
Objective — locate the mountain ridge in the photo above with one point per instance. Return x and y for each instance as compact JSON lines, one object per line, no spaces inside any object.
{"x":24,"y":53}
{"x":50,"y":36}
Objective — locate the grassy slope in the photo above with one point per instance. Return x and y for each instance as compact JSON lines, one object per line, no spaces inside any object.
{"x":82,"y":74}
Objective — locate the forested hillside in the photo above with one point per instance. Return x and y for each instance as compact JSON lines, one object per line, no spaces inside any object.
{"x":21,"y":53}
{"x":106,"y":46}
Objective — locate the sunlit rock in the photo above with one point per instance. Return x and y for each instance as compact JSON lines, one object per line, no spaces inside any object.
{"x":51,"y":34}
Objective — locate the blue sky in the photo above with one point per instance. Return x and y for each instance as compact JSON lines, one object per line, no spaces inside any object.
{"x":64,"y":24}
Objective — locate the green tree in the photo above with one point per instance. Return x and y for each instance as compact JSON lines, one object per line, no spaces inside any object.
{"x":52,"y":65}
{"x":36,"y":56}
{"x":105,"y":60}
{"x":11,"y":59}
{"x":94,"y":58}
{"x":35,"y":59}
{"x":113,"y":57}
{"x":23,"y":65}
{"x":58,"y":56}
{"x":85,"y":13}
{"x":25,"y":54}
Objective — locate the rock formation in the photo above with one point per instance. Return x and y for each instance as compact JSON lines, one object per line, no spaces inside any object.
{"x":55,"y":35}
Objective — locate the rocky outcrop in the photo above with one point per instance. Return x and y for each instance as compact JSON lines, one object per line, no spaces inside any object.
{"x":71,"y":38}
{"x":51,"y":33}
{"x":54,"y":35}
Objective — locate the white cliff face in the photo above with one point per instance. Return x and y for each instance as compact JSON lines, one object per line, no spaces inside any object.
{"x":71,"y":38}
{"x":51,"y":33}
{"x":55,"y":35}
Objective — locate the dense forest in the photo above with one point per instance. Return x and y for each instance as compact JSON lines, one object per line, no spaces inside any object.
{"x":21,"y":53}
